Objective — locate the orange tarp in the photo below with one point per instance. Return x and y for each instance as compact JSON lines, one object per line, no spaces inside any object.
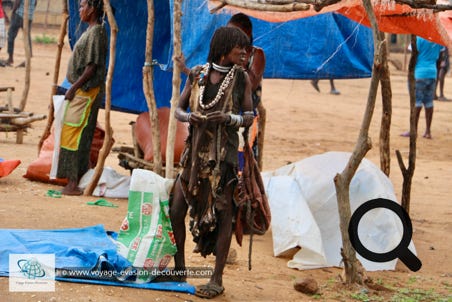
{"x":391,"y":17}
{"x":446,"y":22}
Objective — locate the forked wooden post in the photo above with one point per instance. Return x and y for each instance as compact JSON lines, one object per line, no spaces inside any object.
{"x":363,"y":145}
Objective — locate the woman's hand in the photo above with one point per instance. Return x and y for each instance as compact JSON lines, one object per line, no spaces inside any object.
{"x":196,"y":118}
{"x":70,"y":94}
{"x":194,"y":74}
{"x":217,"y":117}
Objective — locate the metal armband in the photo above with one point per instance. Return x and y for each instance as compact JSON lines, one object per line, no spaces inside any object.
{"x":235,"y":120}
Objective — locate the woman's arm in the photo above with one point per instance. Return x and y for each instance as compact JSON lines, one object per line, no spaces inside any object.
{"x":247,"y":103}
{"x":87,"y":74}
{"x":181,"y":113}
{"x":257,"y":67}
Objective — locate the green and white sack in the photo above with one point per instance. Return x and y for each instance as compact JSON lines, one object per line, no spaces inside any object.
{"x":146,"y":236}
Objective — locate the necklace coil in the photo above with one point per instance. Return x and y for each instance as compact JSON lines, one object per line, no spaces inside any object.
{"x":224,"y":85}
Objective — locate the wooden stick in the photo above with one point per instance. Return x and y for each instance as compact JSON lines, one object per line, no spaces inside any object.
{"x":148,"y":88}
{"x":261,"y":134}
{"x":108,"y":139}
{"x":317,"y":5}
{"x":27,"y":46}
{"x":386,"y":95}
{"x":408,"y":173}
{"x":295,"y":6}
{"x":172,"y":123}
{"x":63,"y":31}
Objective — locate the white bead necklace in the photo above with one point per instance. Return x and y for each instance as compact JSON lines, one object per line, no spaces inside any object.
{"x":224,"y":85}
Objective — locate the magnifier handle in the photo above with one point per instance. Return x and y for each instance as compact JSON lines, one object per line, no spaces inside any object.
{"x":410,"y":260}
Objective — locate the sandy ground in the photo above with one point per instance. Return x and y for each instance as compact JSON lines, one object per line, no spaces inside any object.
{"x":300,"y":123}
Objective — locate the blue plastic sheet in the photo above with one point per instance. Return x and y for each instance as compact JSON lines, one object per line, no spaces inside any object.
{"x":90,"y":250}
{"x":323,"y":46}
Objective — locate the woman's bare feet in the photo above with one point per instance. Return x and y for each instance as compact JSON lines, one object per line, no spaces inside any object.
{"x":72,"y":189}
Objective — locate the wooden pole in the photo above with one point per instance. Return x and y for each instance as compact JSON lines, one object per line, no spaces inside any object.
{"x":148,"y":88}
{"x":56,"y":72}
{"x":172,"y":123}
{"x":26,"y":31}
{"x":108,"y":139}
{"x":363,"y":145}
{"x":386,"y":95}
{"x":408,"y":173}
{"x":46,"y":22}
{"x":261,"y":134}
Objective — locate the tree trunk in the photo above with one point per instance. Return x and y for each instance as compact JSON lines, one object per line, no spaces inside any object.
{"x":148,"y":87}
{"x":56,"y":72}
{"x":172,"y":123}
{"x":108,"y":139}
{"x":342,"y":180}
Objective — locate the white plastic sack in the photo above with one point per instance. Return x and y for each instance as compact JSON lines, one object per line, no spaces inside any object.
{"x":146,"y":237}
{"x":58,"y":113}
{"x":303,"y":204}
{"x":111,"y":183}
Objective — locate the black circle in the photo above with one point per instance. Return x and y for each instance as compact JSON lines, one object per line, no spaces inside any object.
{"x":390,"y":205}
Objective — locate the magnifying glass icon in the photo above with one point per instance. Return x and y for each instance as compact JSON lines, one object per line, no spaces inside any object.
{"x":401,"y":251}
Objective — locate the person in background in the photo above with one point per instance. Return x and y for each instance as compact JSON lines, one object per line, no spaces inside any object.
{"x":443,"y":66}
{"x":425,"y":73}
{"x":86,"y":73}
{"x":218,"y":95}
{"x":3,"y":21}
{"x":315,"y":84}
{"x":254,"y":63}
{"x":17,"y":22}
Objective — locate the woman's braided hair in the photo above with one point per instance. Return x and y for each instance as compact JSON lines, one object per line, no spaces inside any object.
{"x":224,"y":40}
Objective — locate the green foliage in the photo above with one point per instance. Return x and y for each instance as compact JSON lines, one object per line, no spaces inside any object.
{"x":404,"y":295}
{"x":365,"y":297}
{"x":419,"y":295}
{"x":44,"y":39}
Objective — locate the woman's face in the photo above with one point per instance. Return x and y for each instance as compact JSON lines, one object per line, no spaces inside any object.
{"x":85,"y":11}
{"x":236,"y":56}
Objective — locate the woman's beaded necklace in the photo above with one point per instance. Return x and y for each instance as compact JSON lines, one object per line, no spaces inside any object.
{"x":224,"y":85}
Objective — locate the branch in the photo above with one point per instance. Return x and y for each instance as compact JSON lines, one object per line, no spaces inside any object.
{"x":290,"y":7}
{"x":317,"y":5}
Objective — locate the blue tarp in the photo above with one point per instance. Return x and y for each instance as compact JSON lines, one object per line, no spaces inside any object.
{"x":323,"y":46}
{"x":88,"y":249}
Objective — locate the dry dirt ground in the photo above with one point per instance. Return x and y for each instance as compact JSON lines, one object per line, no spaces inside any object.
{"x":300,"y":123}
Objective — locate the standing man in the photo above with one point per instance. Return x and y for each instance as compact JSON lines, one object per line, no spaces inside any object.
{"x":17,"y":22}
{"x":443,"y":66}
{"x":425,"y":74}
{"x":3,"y":20}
